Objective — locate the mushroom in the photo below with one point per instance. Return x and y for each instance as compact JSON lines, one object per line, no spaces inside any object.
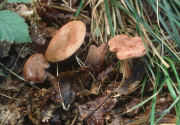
{"x":66,"y":41}
{"x":127,"y":48}
{"x":34,"y":70}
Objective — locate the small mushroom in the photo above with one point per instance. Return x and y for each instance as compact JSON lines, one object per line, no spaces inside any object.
{"x":34,"y":70}
{"x":66,"y":41}
{"x":127,"y":48}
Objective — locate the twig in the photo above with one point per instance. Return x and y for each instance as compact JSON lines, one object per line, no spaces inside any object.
{"x":72,"y":123}
{"x":59,"y":7}
{"x":65,"y":2}
{"x":5,"y":96}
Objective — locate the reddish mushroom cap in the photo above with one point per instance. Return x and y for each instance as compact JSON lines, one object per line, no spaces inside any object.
{"x":66,"y":41}
{"x":35,"y":68}
{"x":126,"y":47}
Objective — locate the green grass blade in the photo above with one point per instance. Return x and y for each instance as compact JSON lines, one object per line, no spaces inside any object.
{"x":174,"y":70}
{"x":170,"y":87}
{"x":109,"y":18}
{"x":149,"y":67}
{"x":142,"y":90}
{"x":79,"y":8}
{"x":153,"y":105}
{"x":143,"y":86}
{"x":171,"y":18}
{"x":175,"y":8}
{"x":177,"y":2}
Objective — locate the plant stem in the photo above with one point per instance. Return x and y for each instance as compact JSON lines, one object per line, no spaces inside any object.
{"x":2,"y":4}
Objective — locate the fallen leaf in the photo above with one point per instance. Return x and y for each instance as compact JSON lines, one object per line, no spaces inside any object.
{"x":92,"y":112}
{"x":40,"y":110}
{"x":24,"y":11}
{"x":115,"y":121}
{"x":132,"y":81}
{"x":131,"y":104}
{"x":102,"y":76}
{"x":47,"y":12}
{"x":9,"y":117}
{"x":95,"y":88}
{"x":80,"y":73}
{"x":96,"y":57}
{"x":67,"y":93}
{"x":37,"y":37}
{"x":71,"y":83}
{"x":49,"y":31}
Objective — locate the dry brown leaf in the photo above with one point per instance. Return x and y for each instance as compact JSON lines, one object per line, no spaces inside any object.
{"x":67,"y":92}
{"x":37,"y":37}
{"x":131,"y":104}
{"x":105,"y":74}
{"x":9,"y":117}
{"x":82,"y":73}
{"x":93,"y":112}
{"x":70,"y":84}
{"x":95,"y":88}
{"x":96,"y":57}
{"x":24,"y":11}
{"x":131,"y":82}
{"x":49,"y":31}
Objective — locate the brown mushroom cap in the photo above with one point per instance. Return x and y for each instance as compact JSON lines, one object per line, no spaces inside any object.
{"x":66,"y":41}
{"x":34,"y":68}
{"x":126,"y":47}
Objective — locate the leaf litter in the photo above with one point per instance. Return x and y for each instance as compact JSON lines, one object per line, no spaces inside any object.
{"x":91,"y":94}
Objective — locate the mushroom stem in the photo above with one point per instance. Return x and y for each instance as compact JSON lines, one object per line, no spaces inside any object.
{"x":126,"y":69}
{"x":127,"y":48}
{"x":52,"y":81}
